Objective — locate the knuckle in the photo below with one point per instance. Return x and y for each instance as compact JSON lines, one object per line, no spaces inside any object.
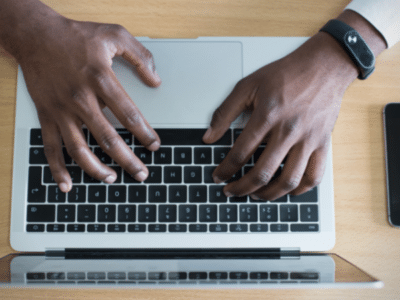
{"x":108,"y":142}
{"x":76,"y":151}
{"x":98,"y":76}
{"x":261,"y":178}
{"x":292,"y":127}
{"x":236,"y":159}
{"x":50,"y":151}
{"x":118,"y":30}
{"x":132,"y":119}
{"x":292,"y":182}
{"x":312,"y":181}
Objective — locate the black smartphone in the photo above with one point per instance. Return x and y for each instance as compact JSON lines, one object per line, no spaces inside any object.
{"x":391,"y":125}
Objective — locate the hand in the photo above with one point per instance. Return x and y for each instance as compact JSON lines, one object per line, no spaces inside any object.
{"x":68,"y":74}
{"x":295,"y":102}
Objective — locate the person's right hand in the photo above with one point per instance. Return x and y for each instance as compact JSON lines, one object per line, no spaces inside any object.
{"x":68,"y":73}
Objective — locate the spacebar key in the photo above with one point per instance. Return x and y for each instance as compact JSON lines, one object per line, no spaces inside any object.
{"x":304,"y":227}
{"x":189,"y":137}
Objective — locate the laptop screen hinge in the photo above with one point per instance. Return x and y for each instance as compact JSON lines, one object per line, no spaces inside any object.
{"x":266,"y":253}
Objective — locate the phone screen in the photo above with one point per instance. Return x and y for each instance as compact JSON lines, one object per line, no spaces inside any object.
{"x":392,"y":146}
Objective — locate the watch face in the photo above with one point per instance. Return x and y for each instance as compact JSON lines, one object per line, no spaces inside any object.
{"x":362,"y":54}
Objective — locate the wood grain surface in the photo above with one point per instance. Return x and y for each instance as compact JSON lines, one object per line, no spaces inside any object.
{"x":363,"y":234}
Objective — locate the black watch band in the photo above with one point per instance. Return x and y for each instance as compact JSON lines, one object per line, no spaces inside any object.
{"x":354,"y":45}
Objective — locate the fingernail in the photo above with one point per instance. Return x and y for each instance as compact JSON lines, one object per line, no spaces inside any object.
{"x":217,"y":179}
{"x":154,"y":146}
{"x":228,"y":194}
{"x":64,"y":187}
{"x":110,"y":179}
{"x":254,"y":197}
{"x":141,"y":176}
{"x":207,"y":135}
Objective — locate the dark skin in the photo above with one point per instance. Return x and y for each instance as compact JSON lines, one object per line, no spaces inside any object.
{"x":295,"y":100}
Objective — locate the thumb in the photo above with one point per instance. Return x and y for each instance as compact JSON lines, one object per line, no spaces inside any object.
{"x":226,"y":113}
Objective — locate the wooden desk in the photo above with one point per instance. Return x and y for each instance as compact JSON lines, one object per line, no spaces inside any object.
{"x":364,"y":235}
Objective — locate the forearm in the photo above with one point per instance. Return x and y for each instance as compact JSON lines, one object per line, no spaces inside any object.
{"x":23,"y":23}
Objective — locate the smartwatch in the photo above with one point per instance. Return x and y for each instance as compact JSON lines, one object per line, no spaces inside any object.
{"x":354,"y":45}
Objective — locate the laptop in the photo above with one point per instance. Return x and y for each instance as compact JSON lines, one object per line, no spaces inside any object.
{"x":178,"y":221}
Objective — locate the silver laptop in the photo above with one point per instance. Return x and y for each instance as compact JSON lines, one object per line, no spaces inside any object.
{"x":179,"y":209}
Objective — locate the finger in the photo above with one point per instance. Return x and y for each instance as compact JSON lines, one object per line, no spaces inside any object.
{"x":314,"y":171}
{"x":55,"y":158}
{"x":289,"y":179}
{"x":112,"y":143}
{"x":264,"y":169}
{"x":77,"y":148}
{"x":114,"y":96}
{"x":229,"y":110}
{"x":244,"y":147}
{"x":139,"y":56}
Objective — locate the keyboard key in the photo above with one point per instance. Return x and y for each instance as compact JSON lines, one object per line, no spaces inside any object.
{"x":218,"y":275}
{"x":308,"y":213}
{"x":36,"y":191}
{"x":117,"y":194}
{"x":220,"y":153}
{"x":192,"y":175}
{"x":129,"y":179}
{"x":37,"y":156}
{"x":177,"y":275}
{"x":35,"y":228}
{"x":157,"y":228}
{"x":116,"y":275}
{"x":96,"y":228}
{"x":55,"y":227}
{"x":167,"y":213}
{"x":258,"y":275}
{"x":235,"y":176}
{"x":106,"y":213}
{"x":218,"y":228}
{"x":304,"y":227}
{"x":238,"y":275}
{"x":97,"y":194}
{"x":117,"y":170}
{"x":147,"y":213}
{"x":47,"y":176}
{"x":177,"y":194}
{"x":137,"y":276}
{"x":172,"y":174}
{"x":216,"y":194}
{"x":157,"y":275}
{"x":177,"y":228}
{"x":127,"y":213}
{"x":304,"y":276}
{"x":208,"y":213}
{"x":89,"y":179}
{"x":136,"y":228}
{"x":163,"y":156}
{"x":288,"y":213}
{"x":76,"y":228}
{"x":248,"y":213}
{"x":198,"y":228}
{"x":144,"y":155}
{"x":258,"y":228}
{"x":176,"y":137}
{"x":279,"y":227}
{"x":125,"y":135}
{"x":36,"y":137}
{"x":154,"y":175}
{"x":310,"y":196}
{"x":56,"y":276}
{"x":55,"y":195}
{"x":187,"y":213}
{"x":208,"y":171}
{"x":197,"y":275}
{"x":77,"y":194}
{"x":268,"y":213}
{"x":75,"y":173}
{"x":202,"y":156}
{"x":104,"y":158}
{"x":279,"y":275}
{"x":157,"y":193}
{"x":237,"y":199}
{"x":67,"y":158}
{"x":197,"y":193}
{"x":66,"y":213}
{"x":116,"y":228}
{"x":86,"y":213}
{"x":228,"y":213}
{"x":257,"y":154}
{"x":137,"y":194}
{"x":41,"y":213}
{"x":238,"y":228}
{"x":36,"y":276}
{"x":282,"y":199}
{"x":182,"y":156}
{"x":96,"y":275}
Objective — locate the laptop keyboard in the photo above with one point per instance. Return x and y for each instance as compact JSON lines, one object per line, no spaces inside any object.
{"x":178,"y":196}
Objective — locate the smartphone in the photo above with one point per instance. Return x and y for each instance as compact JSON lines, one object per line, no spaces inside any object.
{"x":391,"y":125}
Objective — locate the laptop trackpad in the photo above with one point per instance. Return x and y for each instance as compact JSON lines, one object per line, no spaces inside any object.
{"x":196,"y":78}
